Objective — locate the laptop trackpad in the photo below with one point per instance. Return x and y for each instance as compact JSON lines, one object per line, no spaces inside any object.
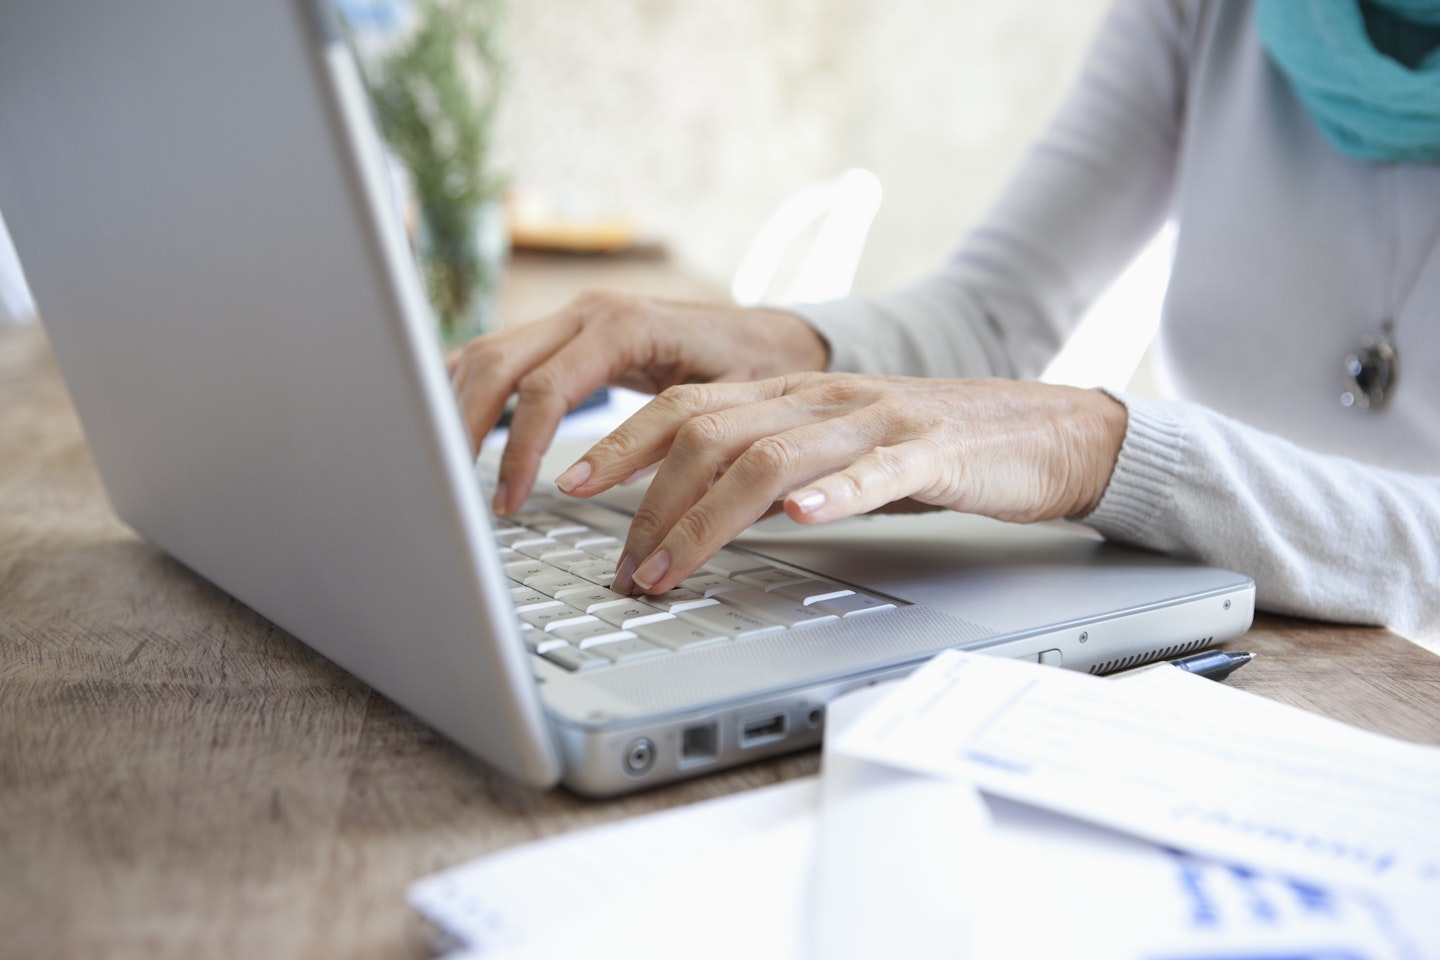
{"x":1007,"y":576}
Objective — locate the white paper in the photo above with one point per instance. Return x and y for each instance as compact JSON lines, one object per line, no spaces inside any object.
{"x":1036,"y":885}
{"x":894,"y":871}
{"x":743,"y":901}
{"x":1178,"y":760}
{"x":878,"y":862}
{"x":509,"y":898}
{"x":1060,"y":889}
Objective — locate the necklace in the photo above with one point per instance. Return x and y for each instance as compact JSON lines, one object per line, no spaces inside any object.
{"x":1372,"y":372}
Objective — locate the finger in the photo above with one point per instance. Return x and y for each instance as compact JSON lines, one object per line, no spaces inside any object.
{"x":593,"y":357}
{"x":882,"y":476}
{"x":748,"y":490}
{"x":701,"y":431}
{"x":648,"y":435}
{"x":703,"y":444}
{"x":487,"y":369}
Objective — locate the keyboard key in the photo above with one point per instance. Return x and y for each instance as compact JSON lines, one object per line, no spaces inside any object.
{"x":569,"y":563}
{"x":551,"y":551}
{"x":558,"y":526}
{"x":584,"y":537}
{"x":767,"y":579}
{"x":855,"y":604}
{"x":573,"y":658}
{"x":585,"y":635}
{"x":524,"y":598}
{"x":594,"y":516}
{"x":530,"y":540}
{"x":678,"y":634}
{"x":729,"y":621}
{"x":538,"y":641}
{"x":623,"y":651}
{"x":601,"y":546}
{"x":535,"y":519}
{"x":727,"y":564}
{"x":536,"y":545}
{"x":631,"y":614}
{"x":598,"y":571}
{"x":553,"y":581}
{"x":521,"y":569}
{"x":589,"y":596}
{"x":709,"y":584}
{"x":778,"y":609}
{"x":548,"y":618}
{"x":680,"y":598}
{"x":812,"y":591}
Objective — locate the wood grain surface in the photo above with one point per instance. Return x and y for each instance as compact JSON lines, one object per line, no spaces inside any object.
{"x":179,"y":778}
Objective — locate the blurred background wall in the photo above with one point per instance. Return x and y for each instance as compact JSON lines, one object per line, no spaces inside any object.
{"x":698,"y":117}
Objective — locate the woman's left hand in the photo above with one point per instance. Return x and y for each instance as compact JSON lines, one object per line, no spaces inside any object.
{"x":832,"y":445}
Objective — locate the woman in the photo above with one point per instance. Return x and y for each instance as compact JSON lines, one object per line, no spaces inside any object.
{"x":1295,"y":144}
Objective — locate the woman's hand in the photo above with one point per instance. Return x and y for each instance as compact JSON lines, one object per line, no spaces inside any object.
{"x":834,"y":445}
{"x":601,"y":338}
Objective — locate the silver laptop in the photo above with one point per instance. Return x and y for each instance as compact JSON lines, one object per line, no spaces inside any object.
{"x":198,"y":198}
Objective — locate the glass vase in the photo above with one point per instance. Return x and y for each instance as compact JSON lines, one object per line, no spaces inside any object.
{"x":462,"y":250}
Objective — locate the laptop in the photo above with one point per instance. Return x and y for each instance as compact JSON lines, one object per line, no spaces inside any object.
{"x":199,"y":199}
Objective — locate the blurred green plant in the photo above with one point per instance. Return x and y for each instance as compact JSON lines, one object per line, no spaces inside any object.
{"x":435,"y":95}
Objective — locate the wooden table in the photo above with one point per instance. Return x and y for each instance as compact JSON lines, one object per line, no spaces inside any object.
{"x":179,"y":778}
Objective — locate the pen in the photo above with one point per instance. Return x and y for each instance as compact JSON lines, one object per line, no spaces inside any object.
{"x":1214,"y":664}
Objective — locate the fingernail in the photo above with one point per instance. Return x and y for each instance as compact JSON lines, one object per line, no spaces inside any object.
{"x":576,"y":475}
{"x":622,"y":582}
{"x":809,"y":501}
{"x":499,"y":504}
{"x":652,"y":570}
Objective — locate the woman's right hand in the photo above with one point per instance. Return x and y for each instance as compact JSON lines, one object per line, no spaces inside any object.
{"x":641,"y":343}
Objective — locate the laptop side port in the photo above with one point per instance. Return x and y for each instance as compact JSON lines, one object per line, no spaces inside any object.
{"x":763,"y":730}
{"x":699,"y":744}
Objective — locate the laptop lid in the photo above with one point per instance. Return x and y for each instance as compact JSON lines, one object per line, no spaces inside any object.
{"x":200,"y":205}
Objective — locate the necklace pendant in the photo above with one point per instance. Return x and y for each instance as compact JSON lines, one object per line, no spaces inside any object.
{"x":1372,"y":371}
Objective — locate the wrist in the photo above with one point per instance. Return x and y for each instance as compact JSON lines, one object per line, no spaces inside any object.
{"x":797,"y":346}
{"x":1105,"y":421}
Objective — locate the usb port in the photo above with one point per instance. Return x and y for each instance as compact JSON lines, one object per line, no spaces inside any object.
{"x":762,"y":730}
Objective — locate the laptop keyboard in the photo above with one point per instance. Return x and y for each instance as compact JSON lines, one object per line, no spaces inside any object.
{"x":560,"y":556}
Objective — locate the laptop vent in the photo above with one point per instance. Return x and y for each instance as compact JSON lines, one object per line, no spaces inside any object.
{"x":1140,"y":659}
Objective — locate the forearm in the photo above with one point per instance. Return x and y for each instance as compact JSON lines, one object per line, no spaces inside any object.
{"x":1323,"y":536}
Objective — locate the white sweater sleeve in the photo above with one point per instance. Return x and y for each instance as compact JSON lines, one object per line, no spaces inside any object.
{"x":1322,"y":536}
{"x":1091,"y":192}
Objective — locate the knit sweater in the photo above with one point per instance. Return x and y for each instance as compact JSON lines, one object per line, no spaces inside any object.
{"x":1288,"y":254}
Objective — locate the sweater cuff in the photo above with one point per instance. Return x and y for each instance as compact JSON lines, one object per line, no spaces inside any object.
{"x":840,"y":323}
{"x":1140,"y":493}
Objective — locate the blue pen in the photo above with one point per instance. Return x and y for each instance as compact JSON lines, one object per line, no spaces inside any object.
{"x":1214,"y":664}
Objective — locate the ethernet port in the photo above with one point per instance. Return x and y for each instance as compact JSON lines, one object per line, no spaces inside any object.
{"x":700,"y":744}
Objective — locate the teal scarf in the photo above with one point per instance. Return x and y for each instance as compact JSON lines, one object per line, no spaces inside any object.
{"x":1368,"y":73}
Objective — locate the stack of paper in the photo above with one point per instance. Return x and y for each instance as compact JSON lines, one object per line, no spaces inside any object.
{"x":990,"y":808}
